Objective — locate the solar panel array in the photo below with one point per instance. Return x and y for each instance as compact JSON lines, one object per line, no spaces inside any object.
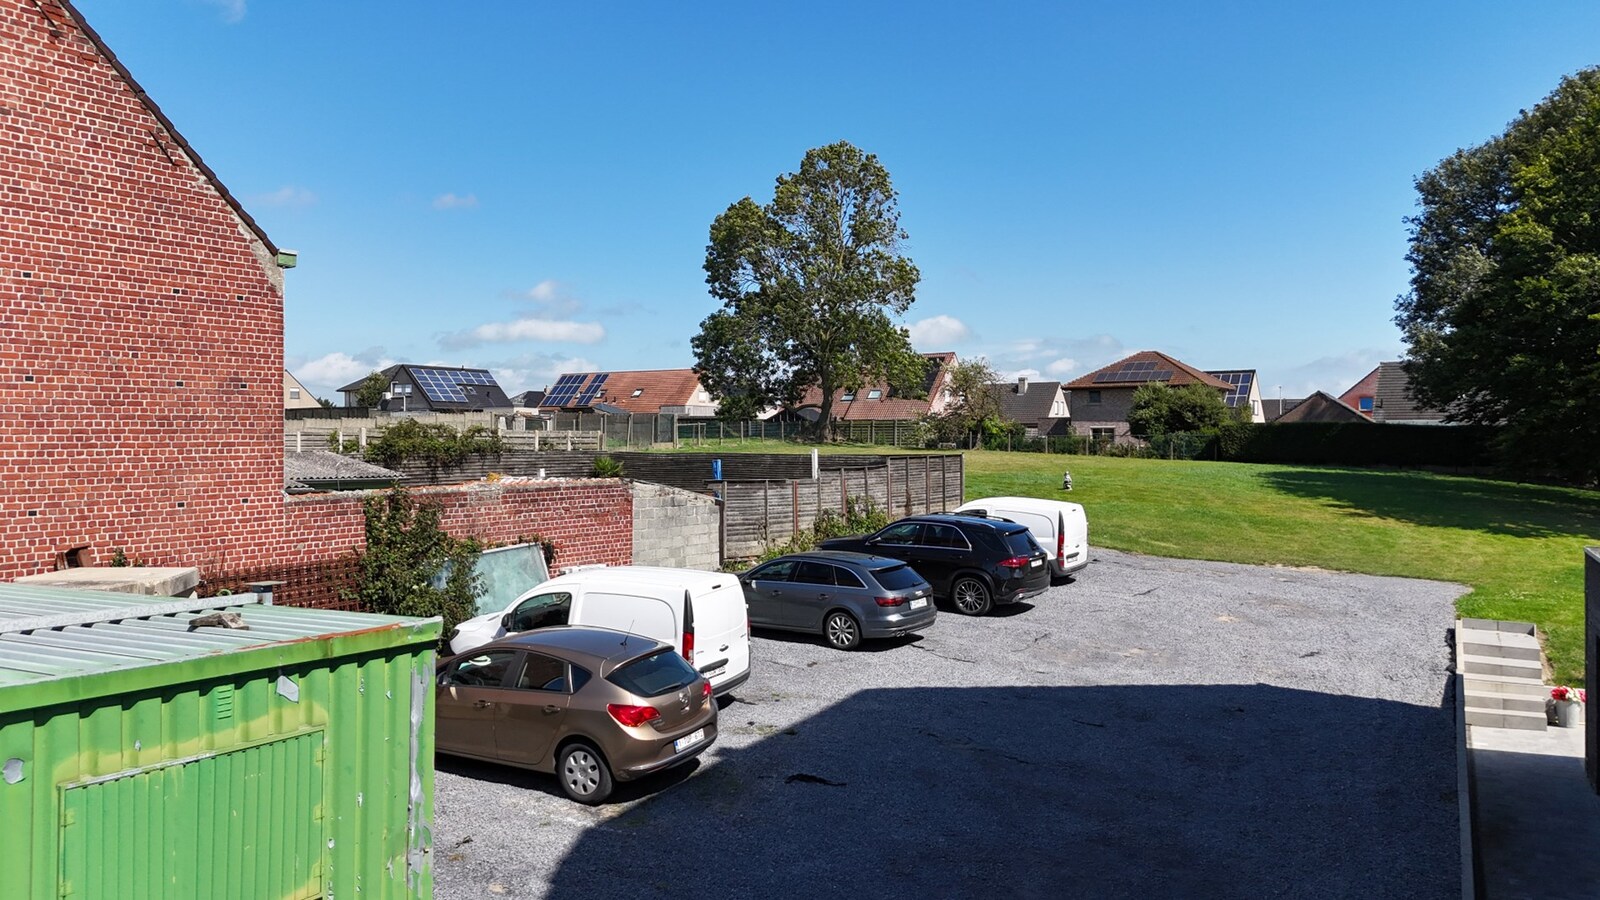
{"x":1238,"y":385}
{"x":1134,"y":371}
{"x":581,"y":389}
{"x":444,"y":385}
{"x":566,"y":387}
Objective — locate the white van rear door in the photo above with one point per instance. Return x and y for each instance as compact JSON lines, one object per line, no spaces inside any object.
{"x":721,"y":633}
{"x":631,"y":613}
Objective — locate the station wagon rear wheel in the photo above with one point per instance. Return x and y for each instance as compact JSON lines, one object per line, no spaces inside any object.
{"x":841,"y":630}
{"x":971,"y":596}
{"x":583,"y":774}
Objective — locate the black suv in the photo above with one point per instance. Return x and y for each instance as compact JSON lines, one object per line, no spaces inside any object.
{"x":975,"y":562}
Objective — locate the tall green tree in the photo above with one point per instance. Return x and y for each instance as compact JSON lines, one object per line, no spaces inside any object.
{"x":372,"y":389}
{"x":810,"y":284}
{"x":974,"y":402}
{"x":1502,"y":320}
{"x":1161,"y":409}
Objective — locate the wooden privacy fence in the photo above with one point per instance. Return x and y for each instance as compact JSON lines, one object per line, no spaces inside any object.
{"x":758,"y":513}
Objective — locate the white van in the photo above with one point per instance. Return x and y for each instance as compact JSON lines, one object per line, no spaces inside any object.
{"x":1060,"y":527}
{"x":701,"y":613}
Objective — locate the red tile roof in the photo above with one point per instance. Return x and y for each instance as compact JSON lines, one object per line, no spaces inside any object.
{"x":887,"y":405}
{"x":1145,"y":367}
{"x":656,"y":387}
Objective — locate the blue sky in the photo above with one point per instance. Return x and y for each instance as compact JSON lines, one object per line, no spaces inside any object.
{"x":528,"y":186}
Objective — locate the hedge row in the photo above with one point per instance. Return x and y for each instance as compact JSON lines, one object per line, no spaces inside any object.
{"x":1357,"y":444}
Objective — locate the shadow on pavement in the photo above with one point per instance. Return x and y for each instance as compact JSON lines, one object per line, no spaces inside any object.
{"x":1135,"y":791}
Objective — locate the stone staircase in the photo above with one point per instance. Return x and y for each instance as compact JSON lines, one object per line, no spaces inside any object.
{"x":1502,"y":668}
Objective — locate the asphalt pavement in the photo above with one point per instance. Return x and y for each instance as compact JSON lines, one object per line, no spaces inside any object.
{"x":1157,"y":728}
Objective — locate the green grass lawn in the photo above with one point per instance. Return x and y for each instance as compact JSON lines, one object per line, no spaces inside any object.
{"x":1519,"y":547}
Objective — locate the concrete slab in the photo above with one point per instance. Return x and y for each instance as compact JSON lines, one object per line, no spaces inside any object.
{"x":1509,"y":644}
{"x":1501,"y":717}
{"x":1499,"y":665}
{"x":1537,"y":816}
{"x":150,"y":581}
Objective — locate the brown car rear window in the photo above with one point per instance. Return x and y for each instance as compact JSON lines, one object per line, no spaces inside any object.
{"x":651,"y":676}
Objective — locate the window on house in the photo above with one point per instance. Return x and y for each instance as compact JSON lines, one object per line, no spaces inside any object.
{"x":294,"y":393}
{"x":1364,"y":404}
{"x":848,"y":396}
{"x":1102,"y":435}
{"x":874,"y":395}
{"x":1094,"y":396}
{"x":637,"y":391}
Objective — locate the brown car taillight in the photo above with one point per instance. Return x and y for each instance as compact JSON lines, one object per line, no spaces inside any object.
{"x":633,"y":715}
{"x":890,"y":601}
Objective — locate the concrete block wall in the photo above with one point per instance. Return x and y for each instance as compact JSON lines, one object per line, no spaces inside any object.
{"x":674,"y":527}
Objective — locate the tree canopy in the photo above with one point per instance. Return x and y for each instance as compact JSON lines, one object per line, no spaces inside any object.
{"x":974,"y":405}
{"x":372,"y":389}
{"x":1160,"y":409}
{"x":1503,"y":317}
{"x":810,"y":284}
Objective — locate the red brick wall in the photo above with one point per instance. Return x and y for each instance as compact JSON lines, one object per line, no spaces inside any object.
{"x":590,"y":521}
{"x":141,"y":325}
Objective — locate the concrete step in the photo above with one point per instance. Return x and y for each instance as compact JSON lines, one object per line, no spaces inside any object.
{"x":1506,"y":718}
{"x":1521,"y":702}
{"x":1504,"y":644}
{"x":1469,"y":664}
{"x":1506,"y":684}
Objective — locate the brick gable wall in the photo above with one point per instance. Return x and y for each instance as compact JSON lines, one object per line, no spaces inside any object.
{"x":141,"y":349}
{"x":141,"y":323}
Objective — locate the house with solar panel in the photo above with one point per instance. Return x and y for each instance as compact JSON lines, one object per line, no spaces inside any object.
{"x":435,"y":389}
{"x":1100,"y":401}
{"x":1245,"y":392}
{"x":645,"y":392}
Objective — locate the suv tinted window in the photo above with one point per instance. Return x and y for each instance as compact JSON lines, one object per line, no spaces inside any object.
{"x":943,"y":536}
{"x":659,"y":673}
{"x":897,"y":578}
{"x":900,"y":533}
{"x":1020,"y":543}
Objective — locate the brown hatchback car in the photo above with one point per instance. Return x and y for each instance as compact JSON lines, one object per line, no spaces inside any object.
{"x":591,"y":705}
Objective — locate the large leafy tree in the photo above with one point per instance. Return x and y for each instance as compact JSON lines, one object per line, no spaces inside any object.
{"x":974,"y":404}
{"x":372,"y":389}
{"x":810,"y":285}
{"x":1503,"y":316}
{"x":1161,"y":409}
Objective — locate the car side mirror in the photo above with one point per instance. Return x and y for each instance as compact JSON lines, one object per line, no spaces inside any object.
{"x":505,"y":621}
{"x":444,"y":679}
{"x":871,"y":541}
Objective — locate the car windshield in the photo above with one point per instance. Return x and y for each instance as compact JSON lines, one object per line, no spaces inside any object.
{"x":897,"y":578}
{"x":651,"y":676}
{"x":1021,"y":543}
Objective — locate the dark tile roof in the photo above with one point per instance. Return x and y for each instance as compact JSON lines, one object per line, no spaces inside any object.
{"x":486,"y":393}
{"x":1030,"y":408}
{"x":1322,"y":407}
{"x":1276,"y":407}
{"x":1392,"y":400}
{"x":1151,"y":363}
{"x":529,"y":399}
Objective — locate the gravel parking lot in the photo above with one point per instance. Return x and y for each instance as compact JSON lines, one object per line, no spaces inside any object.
{"x":1158,"y":728}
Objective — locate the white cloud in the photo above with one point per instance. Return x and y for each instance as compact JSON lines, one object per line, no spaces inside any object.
{"x":550,"y":299}
{"x":324,"y":375}
{"x":1066,"y":365}
{"x":543,"y":292}
{"x":288,"y":195}
{"x":536,"y":371}
{"x":1030,"y":374}
{"x":453,"y":201}
{"x":232,"y":10}
{"x":525,"y":329}
{"x":1334,"y":374}
{"x":938,"y":332}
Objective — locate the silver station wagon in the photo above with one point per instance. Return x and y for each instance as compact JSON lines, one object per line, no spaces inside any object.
{"x":843,"y":596}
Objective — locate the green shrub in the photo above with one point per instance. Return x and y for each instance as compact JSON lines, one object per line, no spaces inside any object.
{"x":605,"y":467}
{"x":436,"y":444}
{"x":406,"y":549}
{"x":862,"y":516}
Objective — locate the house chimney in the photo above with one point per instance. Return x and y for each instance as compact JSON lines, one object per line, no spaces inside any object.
{"x":1022,"y":384}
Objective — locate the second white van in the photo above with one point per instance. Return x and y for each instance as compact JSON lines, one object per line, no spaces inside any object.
{"x":701,"y":613}
{"x":1061,"y":528}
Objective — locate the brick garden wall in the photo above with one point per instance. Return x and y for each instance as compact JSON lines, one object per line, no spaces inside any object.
{"x":589,"y":520}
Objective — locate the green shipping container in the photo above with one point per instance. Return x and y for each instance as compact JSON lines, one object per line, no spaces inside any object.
{"x":143,"y":756}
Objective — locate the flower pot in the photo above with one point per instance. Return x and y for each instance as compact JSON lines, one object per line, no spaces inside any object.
{"x":1567,"y":713}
